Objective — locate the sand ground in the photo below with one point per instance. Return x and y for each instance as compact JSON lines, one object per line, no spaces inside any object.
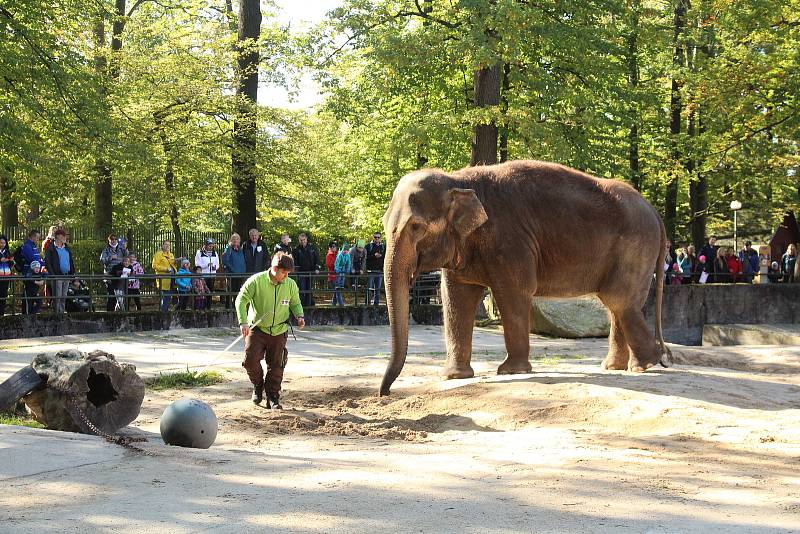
{"x":568,"y":448}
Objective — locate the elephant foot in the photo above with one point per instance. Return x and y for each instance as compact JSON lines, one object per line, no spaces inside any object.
{"x":636,"y":366}
{"x":457,"y":371}
{"x":514,"y":367}
{"x":614,"y":364}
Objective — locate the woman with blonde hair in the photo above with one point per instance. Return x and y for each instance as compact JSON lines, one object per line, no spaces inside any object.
{"x":164,"y":264}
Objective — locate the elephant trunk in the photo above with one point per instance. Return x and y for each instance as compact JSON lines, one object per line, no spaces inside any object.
{"x":397,"y":276}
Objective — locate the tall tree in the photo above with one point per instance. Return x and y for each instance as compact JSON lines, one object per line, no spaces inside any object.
{"x":245,"y":129}
{"x":676,"y":111}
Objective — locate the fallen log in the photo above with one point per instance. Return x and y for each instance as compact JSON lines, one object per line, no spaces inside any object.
{"x":84,"y":390}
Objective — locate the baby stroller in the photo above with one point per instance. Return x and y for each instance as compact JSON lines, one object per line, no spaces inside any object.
{"x":78,"y":297}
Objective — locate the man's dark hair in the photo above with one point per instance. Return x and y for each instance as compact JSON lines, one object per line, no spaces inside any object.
{"x":286,"y":263}
{"x":60,"y":231}
{"x":33,"y":233}
{"x":712,"y":237}
{"x":302,"y":234}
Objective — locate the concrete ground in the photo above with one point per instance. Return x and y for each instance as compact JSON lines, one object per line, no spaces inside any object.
{"x":567,"y":448}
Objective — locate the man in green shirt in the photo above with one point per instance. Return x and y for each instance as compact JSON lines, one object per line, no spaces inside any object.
{"x":262,"y":307}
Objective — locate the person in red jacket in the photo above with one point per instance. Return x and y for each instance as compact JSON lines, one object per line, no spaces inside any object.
{"x":330,"y":263}
{"x":734,"y":266}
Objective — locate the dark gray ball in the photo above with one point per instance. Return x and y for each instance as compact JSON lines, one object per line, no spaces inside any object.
{"x":189,"y":423}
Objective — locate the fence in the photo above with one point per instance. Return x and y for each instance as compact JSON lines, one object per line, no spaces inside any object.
{"x":95,"y":293}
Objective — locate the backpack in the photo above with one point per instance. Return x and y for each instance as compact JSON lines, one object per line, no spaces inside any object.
{"x":19,"y":259}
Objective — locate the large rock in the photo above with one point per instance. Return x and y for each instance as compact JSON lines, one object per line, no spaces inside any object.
{"x":571,"y":318}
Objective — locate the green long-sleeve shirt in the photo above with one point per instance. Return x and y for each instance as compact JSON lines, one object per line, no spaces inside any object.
{"x":261,"y":297}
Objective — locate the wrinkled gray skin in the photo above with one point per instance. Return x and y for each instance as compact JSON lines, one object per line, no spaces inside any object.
{"x":523,"y":229}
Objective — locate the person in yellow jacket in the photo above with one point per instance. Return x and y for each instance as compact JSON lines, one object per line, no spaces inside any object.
{"x":262,"y":307}
{"x":164,"y":263}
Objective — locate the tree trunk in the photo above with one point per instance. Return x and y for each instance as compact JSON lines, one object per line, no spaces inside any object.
{"x":169,"y":183}
{"x":633,"y":84}
{"x":676,"y":107}
{"x":103,"y":205}
{"x":243,"y":156}
{"x":504,"y":109}
{"x":487,"y":93}
{"x":8,"y":202}
{"x":95,"y":385}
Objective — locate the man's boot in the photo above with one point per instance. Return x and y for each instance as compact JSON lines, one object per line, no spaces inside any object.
{"x":257,"y":393}
{"x":274,"y":401}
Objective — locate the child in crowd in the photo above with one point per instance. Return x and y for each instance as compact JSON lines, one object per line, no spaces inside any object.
{"x":133,"y":282}
{"x":34,"y":280}
{"x":200,"y":289}
{"x":78,"y":297}
{"x":343,"y":266}
{"x":183,"y":283}
{"x":123,"y":271}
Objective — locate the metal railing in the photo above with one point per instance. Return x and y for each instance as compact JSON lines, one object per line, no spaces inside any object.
{"x":104,"y":293}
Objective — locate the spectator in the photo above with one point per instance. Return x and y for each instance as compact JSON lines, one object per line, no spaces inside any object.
{"x":284,"y":246}
{"x":34,"y":280}
{"x":255,"y":253}
{"x":6,"y":263}
{"x":30,"y":252}
{"x":748,"y":256}
{"x":200,"y":289}
{"x":206,"y":258}
{"x":676,"y":276}
{"x":234,"y":264}
{"x":684,"y":266}
{"x":358,"y":256}
{"x":60,"y":263}
{"x":343,"y":266}
{"x":722,"y":274}
{"x":121,"y":273}
{"x":774,"y":272}
{"x":375,"y":253}
{"x":330,"y":263}
{"x":710,"y":250}
{"x":51,"y":236}
{"x":78,"y":297}
{"x":734,"y":266}
{"x":703,"y":271}
{"x":306,"y":261}
{"x":111,"y":257}
{"x":787,"y":263}
{"x":134,"y":283}
{"x":690,"y":253}
{"x":183,"y":284}
{"x":164,"y":264}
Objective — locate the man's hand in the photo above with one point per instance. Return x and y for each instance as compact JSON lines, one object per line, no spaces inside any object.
{"x":301,"y":323}
{"x":245,"y":328}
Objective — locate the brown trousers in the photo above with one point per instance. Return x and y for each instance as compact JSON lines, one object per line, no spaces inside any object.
{"x":272,"y":349}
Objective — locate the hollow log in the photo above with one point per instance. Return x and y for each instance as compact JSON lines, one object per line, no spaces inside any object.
{"x":108,"y":393}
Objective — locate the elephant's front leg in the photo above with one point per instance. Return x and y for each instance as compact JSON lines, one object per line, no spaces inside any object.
{"x":459,"y":303}
{"x":515,"y":309}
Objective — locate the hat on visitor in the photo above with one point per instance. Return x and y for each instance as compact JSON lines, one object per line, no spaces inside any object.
{"x":702,"y":258}
{"x":35,"y":265}
{"x":185,"y":261}
{"x":210,"y":241}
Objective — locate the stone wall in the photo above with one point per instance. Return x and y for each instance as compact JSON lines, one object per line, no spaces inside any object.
{"x":688,"y":308}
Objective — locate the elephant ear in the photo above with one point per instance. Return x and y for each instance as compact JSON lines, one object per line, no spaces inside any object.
{"x":466,"y":211}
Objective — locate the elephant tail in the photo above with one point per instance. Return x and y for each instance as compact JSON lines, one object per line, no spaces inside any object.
{"x":666,"y":354}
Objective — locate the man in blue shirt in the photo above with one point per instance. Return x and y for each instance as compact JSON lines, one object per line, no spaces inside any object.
{"x":30,"y":251}
{"x":60,"y":264}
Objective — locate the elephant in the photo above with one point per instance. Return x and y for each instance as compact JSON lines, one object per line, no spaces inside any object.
{"x":524,"y":228}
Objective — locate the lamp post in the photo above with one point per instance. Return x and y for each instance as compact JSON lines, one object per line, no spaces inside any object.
{"x":735,"y":206}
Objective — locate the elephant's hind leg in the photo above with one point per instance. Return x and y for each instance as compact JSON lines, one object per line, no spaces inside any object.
{"x":460,"y":302}
{"x":643,"y":350}
{"x":515,"y":309}
{"x":618,"y":351}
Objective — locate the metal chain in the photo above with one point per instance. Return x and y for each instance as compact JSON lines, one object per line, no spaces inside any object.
{"x":122,"y":441}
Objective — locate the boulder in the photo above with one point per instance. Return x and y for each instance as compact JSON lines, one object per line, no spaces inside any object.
{"x":570,"y":318}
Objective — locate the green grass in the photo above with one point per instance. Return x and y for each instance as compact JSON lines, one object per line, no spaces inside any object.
{"x":184,"y":380}
{"x":18,"y":420}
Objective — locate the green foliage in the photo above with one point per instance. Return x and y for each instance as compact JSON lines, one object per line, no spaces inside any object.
{"x":399,"y":85}
{"x":184,"y":380}
{"x":18,"y":420}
